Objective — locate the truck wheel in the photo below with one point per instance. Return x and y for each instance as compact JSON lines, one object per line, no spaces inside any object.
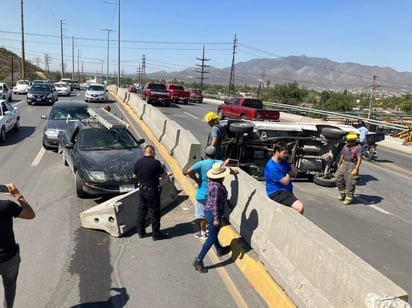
{"x":241,"y":127}
{"x":185,"y":102}
{"x":3,"y":134}
{"x":167,"y":104}
{"x":243,"y":117}
{"x":220,"y":114}
{"x":147,"y":100}
{"x":321,"y":180}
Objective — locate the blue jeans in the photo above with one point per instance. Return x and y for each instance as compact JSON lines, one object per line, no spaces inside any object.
{"x":212,"y":238}
{"x":9,"y":271}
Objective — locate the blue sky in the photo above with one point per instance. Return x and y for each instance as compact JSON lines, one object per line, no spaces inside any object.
{"x":171,"y":34}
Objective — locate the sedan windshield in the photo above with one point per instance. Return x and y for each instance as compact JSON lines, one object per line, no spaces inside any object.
{"x":106,"y":139}
{"x":40,"y":87}
{"x":96,"y":88}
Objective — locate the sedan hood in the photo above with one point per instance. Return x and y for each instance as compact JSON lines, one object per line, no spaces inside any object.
{"x":117,"y":164}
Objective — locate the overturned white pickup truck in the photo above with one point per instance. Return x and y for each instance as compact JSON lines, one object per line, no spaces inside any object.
{"x":9,"y":118}
{"x":314,"y":147}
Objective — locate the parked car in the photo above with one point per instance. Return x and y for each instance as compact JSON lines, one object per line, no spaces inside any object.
{"x":9,"y":118}
{"x":196,"y":95}
{"x":63,"y":88}
{"x":96,"y":93}
{"x":75,"y":85}
{"x":5,"y":92}
{"x":101,"y":152}
{"x":21,"y":87}
{"x":313,"y":147}
{"x":60,"y":116}
{"x":42,"y":93}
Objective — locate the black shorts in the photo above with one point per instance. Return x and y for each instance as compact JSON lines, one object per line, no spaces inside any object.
{"x":284,"y":197}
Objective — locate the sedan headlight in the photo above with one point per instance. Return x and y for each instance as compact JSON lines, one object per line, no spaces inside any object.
{"x":98,"y":176}
{"x":29,"y":95}
{"x":51,"y":133}
{"x":50,"y":95}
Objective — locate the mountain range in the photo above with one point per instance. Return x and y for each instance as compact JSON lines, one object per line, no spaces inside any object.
{"x":310,"y":72}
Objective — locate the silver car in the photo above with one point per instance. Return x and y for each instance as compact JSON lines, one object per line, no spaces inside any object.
{"x":96,"y":93}
{"x":61,"y":115}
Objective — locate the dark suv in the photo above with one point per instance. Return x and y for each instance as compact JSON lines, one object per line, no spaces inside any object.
{"x":101,"y":152}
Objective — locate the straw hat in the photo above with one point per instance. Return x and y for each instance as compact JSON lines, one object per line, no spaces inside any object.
{"x":218,"y":171}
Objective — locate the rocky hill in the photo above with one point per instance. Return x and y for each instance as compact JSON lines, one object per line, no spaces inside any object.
{"x":314,"y":73}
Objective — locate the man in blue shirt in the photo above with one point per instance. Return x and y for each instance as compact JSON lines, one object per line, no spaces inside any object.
{"x":363,"y":132}
{"x":278,"y":173}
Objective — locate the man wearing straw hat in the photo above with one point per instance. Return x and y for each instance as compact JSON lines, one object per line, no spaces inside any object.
{"x":215,"y":207}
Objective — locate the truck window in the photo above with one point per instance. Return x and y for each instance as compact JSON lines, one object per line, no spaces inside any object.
{"x":253,"y":103}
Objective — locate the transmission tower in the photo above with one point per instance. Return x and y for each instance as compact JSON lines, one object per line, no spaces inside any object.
{"x":143,"y":78}
{"x":47,"y":60}
{"x":202,"y":68}
{"x":232,"y":70}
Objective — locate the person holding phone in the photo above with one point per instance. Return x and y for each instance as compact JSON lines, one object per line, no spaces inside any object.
{"x":9,"y":249}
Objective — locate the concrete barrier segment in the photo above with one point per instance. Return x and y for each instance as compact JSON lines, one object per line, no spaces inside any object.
{"x":118,"y":215}
{"x":138,"y":106}
{"x":171,"y":137}
{"x":313,"y":268}
{"x":188,"y":150}
{"x":156,"y":121}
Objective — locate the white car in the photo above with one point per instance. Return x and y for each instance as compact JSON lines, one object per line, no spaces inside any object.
{"x":21,"y":87}
{"x":96,"y":93}
{"x":63,"y":88}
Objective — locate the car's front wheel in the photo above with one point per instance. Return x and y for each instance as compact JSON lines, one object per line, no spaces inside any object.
{"x":3,"y":134}
{"x":79,"y":186}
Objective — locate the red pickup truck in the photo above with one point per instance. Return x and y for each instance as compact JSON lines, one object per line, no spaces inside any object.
{"x":156,"y":93}
{"x":178,"y":93}
{"x":246,"y":108}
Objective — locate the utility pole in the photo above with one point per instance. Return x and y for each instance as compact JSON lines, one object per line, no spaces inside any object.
{"x":232,"y":69}
{"x":23,"y":56}
{"x":203,"y":66}
{"x":118,"y":45}
{"x":61,"y":46}
{"x":373,"y":88}
{"x":72,"y":57}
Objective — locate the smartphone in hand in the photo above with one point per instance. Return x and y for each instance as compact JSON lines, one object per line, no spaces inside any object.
{"x":4,"y":188}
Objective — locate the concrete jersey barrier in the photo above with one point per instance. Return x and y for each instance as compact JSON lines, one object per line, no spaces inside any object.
{"x":314,"y":269}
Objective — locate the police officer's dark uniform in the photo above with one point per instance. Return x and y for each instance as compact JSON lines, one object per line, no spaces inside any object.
{"x":148,"y":170}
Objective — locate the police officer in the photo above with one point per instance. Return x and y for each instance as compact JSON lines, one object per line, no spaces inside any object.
{"x":348,"y":170}
{"x":147,"y":171}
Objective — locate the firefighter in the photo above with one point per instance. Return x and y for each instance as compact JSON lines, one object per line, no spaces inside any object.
{"x":349,"y":163}
{"x":216,"y":134}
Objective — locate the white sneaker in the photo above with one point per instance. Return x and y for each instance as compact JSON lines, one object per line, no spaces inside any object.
{"x":200,"y":235}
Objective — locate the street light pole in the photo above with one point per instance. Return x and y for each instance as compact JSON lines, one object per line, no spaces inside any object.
{"x":108,"y":48}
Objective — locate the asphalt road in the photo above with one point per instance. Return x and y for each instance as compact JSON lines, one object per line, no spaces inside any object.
{"x":64,"y":265}
{"x":377,"y":226}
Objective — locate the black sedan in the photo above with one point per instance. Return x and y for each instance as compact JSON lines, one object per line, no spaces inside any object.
{"x":101,"y":158}
{"x":42,"y":93}
{"x":61,"y":114}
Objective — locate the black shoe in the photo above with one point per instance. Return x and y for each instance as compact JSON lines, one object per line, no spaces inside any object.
{"x":158,"y":236}
{"x":142,"y":234}
{"x":223,"y":251}
{"x":199,"y":266}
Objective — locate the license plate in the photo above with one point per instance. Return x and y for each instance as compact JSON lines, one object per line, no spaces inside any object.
{"x":126,"y":188}
{"x":39,"y":99}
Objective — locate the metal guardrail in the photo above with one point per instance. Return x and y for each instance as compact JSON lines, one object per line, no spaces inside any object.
{"x":347,"y":117}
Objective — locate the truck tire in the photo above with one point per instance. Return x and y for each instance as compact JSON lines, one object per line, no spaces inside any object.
{"x":241,"y":127}
{"x":333,"y":133}
{"x":324,"y":181}
{"x":3,"y":134}
{"x":242,"y":117}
